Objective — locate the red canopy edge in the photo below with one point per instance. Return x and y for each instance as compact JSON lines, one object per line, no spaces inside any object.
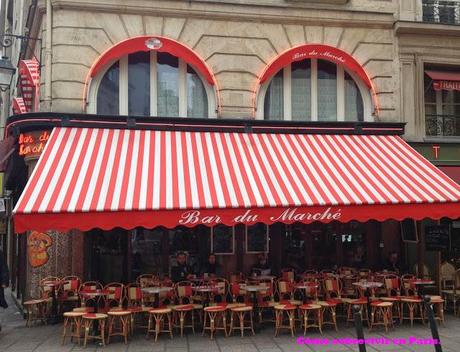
{"x":443,"y":80}
{"x":212,"y":217}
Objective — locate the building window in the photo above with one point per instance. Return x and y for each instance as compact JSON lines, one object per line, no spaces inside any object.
{"x":152,"y":84}
{"x":442,"y":111}
{"x":441,"y":11}
{"x":314,"y":90}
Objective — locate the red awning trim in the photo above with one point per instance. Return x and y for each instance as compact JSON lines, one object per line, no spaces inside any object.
{"x":211,"y":217}
{"x":168,"y":45}
{"x":105,"y":178}
{"x":29,"y":71}
{"x":19,"y":107}
{"x":443,"y":80}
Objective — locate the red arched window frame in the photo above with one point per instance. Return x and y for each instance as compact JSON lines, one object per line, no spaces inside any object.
{"x":315,"y":51}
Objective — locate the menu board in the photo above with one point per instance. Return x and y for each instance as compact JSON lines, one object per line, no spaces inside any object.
{"x":223,"y":239}
{"x":409,"y":231}
{"x":437,"y":238}
{"x":257,"y":238}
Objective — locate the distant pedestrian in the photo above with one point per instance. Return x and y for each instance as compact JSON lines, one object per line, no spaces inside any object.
{"x":4,"y":281}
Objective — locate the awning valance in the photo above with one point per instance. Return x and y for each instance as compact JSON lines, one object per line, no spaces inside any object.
{"x":29,"y":71}
{"x":19,"y":107}
{"x":443,"y":80}
{"x":107,"y":178}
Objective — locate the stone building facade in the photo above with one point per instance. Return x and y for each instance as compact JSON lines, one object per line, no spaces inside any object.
{"x":390,"y":39}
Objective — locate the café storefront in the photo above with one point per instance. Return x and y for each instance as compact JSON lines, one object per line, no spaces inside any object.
{"x":132,"y":194}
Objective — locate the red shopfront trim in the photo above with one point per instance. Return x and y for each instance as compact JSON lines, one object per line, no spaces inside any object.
{"x":211,"y":217}
{"x":19,"y":107}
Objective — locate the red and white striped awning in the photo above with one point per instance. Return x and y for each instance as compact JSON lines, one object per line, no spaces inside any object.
{"x":29,"y":71}
{"x":18,"y":106}
{"x":105,"y":178}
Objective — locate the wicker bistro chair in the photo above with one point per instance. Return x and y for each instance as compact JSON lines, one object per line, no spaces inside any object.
{"x":68,"y":292}
{"x":135,"y":305}
{"x":265,"y":300}
{"x":220,"y":292}
{"x":392,"y":285}
{"x":285,"y":289}
{"x":35,"y":311}
{"x":72,"y":326}
{"x":115,"y":297}
{"x":410,"y":302}
{"x":238,"y":292}
{"x":450,"y":290}
{"x":89,"y":286}
{"x":288,"y":274}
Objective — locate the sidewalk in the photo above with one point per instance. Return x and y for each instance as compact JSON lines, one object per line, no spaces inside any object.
{"x":15,"y":337}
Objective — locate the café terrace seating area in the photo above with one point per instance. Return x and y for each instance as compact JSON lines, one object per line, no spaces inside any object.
{"x":293,"y":303}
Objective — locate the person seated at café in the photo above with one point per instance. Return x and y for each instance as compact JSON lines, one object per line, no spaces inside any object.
{"x":262,"y":267}
{"x":393,"y":264}
{"x":181,"y":271}
{"x":211,"y":268}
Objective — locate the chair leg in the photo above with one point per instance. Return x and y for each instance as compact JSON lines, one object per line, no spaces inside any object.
{"x":241,"y":317}
{"x":252,"y":323}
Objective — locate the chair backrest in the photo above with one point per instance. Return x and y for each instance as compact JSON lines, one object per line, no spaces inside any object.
{"x":184,"y":291}
{"x":287,"y":274}
{"x":364,"y":273}
{"x":311,"y":290}
{"x":238,"y":291}
{"x":115,"y":294}
{"x":70,"y":285}
{"x":456,"y":280}
{"x":220,"y":286}
{"x":327,"y":273}
{"x":426,"y":271}
{"x":133,"y":295}
{"x":407,"y":285}
{"x":392,"y":284}
{"x":46,"y":290}
{"x":285,"y":289}
{"x":90,"y":286}
{"x":332,"y":287}
{"x":447,"y":273}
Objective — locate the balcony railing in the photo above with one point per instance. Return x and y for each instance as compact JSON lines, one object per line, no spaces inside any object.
{"x":442,"y":125}
{"x":441,"y":11}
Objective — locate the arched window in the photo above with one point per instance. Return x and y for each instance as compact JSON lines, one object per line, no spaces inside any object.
{"x":314,"y":90}
{"x":150,"y":83}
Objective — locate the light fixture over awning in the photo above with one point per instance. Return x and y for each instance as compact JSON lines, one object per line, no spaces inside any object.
{"x":105,"y":178}
{"x":443,"y":80}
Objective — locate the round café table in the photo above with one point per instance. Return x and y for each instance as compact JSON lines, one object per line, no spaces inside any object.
{"x":421,"y":283}
{"x":53,"y":318}
{"x":156,"y":290}
{"x":253,"y":289}
{"x":368,"y":285}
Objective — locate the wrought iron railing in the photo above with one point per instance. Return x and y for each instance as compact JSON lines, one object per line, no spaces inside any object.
{"x":441,"y":11}
{"x":442,"y":125}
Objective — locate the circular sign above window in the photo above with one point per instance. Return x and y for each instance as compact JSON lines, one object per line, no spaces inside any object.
{"x":153,"y":43}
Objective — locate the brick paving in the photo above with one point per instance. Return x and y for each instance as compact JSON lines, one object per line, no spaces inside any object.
{"x":15,"y":337}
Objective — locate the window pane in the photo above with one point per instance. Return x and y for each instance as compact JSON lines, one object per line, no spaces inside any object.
{"x":430,"y":94}
{"x":168,"y":85}
{"x":107,"y":95}
{"x":139,"y":83}
{"x":354,"y":110}
{"x":301,"y":90}
{"x":197,"y":99}
{"x":327,"y":91}
{"x":273,"y":104}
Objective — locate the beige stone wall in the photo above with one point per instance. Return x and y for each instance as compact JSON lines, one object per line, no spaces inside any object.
{"x":236,"y":48}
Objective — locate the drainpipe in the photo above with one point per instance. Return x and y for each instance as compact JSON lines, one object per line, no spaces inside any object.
{"x":48,"y":57}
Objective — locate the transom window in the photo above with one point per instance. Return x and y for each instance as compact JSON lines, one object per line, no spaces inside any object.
{"x":152,"y":84}
{"x":314,"y":90}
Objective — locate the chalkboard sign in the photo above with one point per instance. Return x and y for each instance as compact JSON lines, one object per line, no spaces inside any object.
{"x":437,"y":238}
{"x":409,"y":231}
{"x":223,"y":239}
{"x":257,"y":238}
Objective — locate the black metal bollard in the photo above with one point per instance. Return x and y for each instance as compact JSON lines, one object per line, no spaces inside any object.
{"x":359,"y":327}
{"x":433,"y":325}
